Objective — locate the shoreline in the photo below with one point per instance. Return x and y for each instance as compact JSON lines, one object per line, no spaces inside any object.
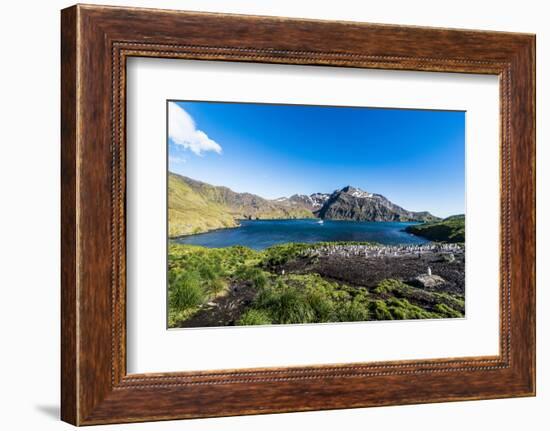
{"x":202,"y":233}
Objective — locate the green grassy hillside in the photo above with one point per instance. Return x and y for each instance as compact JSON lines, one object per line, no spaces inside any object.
{"x":189,"y":212}
{"x":450,"y":229}
{"x":195,"y":207}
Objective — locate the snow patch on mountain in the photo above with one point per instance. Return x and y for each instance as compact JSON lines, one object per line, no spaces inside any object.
{"x":361,"y":194}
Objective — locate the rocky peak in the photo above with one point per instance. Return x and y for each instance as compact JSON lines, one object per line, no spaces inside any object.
{"x":352,"y":203}
{"x":355,"y":192}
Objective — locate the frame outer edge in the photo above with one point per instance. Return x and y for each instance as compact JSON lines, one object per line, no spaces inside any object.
{"x":532,"y":83}
{"x":69,"y":196}
{"x":527,"y":64}
{"x":523,"y":217}
{"x":533,"y":54}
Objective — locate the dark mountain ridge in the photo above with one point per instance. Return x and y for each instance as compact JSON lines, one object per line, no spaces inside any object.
{"x":350,"y":203}
{"x":195,"y":206}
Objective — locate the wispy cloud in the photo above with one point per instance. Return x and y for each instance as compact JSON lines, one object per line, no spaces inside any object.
{"x":183,"y":131}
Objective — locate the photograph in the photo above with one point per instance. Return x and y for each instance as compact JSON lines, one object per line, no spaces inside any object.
{"x":297,"y":214}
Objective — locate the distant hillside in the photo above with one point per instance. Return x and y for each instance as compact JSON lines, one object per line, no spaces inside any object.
{"x":191,"y":212}
{"x":312,"y":202}
{"x":195,"y":207}
{"x":351,"y":203}
{"x":451,"y":229}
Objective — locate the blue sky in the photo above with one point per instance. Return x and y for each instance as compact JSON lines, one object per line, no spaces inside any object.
{"x":413,"y":157}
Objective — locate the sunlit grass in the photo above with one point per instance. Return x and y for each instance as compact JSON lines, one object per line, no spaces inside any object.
{"x":198,"y":275}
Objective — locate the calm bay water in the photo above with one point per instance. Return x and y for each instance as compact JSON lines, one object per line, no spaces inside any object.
{"x":260,"y":234}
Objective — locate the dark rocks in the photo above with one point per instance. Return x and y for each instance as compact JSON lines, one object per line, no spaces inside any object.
{"x":224,"y":310}
{"x":357,"y":266}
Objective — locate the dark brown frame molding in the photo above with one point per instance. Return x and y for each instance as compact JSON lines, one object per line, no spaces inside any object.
{"x":95,"y":43}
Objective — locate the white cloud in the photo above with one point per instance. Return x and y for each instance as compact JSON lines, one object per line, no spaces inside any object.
{"x":183,"y":131}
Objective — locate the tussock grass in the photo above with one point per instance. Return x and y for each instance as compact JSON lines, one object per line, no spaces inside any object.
{"x":254,"y":317}
{"x":197,"y":275}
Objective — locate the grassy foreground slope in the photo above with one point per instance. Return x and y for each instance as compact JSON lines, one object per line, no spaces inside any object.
{"x":256,"y":291}
{"x":450,"y":229}
{"x":195,"y":207}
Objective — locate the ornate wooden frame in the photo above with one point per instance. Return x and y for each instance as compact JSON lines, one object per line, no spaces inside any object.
{"x":96,"y":41}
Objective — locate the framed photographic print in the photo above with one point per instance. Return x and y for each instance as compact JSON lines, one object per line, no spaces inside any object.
{"x":267,"y":215}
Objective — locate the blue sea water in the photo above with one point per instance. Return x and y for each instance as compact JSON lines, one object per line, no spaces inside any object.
{"x":260,"y":234}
